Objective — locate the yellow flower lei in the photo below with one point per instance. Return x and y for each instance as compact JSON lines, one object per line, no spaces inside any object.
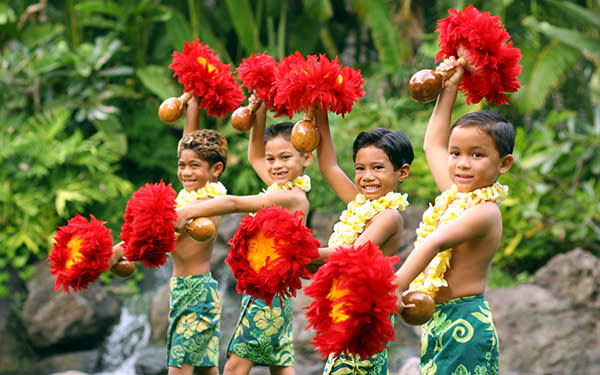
{"x":448,"y":205}
{"x":360,"y":210}
{"x":303,"y":182}
{"x":209,"y":190}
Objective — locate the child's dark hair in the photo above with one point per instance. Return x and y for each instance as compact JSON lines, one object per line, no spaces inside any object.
{"x":395,"y":145}
{"x":494,"y":125}
{"x":208,"y":144}
{"x":282,"y":129}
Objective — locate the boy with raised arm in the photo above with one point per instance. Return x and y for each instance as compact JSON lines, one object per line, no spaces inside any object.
{"x":382,"y":161}
{"x":460,"y":234}
{"x":281,"y":167}
{"x":195,"y":302}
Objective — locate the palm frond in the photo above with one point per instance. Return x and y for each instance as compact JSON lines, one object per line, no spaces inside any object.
{"x":550,"y":66}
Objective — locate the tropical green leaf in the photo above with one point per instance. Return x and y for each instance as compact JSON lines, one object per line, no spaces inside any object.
{"x":576,"y":39}
{"x":547,"y":71}
{"x":158,"y":80}
{"x":64,"y":196}
{"x":244,"y":24}
{"x":385,"y":35}
{"x":577,"y":13}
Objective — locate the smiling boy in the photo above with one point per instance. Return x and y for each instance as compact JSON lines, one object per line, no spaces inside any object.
{"x":460,"y":234}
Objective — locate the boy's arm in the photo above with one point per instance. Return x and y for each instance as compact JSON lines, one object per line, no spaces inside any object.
{"x":227,"y":204}
{"x":118,"y":252}
{"x":328,"y":165}
{"x":435,"y":143}
{"x":192,"y":115}
{"x":383,"y":226}
{"x":256,"y":143}
{"x":473,"y":223}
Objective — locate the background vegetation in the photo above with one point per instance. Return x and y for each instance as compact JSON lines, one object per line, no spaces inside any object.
{"x":81,"y":81}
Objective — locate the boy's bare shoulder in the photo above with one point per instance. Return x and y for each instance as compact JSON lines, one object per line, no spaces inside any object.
{"x":294,"y":199}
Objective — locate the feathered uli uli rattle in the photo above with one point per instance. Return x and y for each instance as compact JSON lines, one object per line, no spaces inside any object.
{"x":481,"y":44}
{"x":302,"y":84}
{"x":202,"y":74}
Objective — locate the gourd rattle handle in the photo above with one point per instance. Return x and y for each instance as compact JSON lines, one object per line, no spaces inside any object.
{"x":426,"y":84}
{"x":242,"y":118}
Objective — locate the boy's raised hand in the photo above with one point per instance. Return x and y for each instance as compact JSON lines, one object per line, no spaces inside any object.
{"x":448,"y":65}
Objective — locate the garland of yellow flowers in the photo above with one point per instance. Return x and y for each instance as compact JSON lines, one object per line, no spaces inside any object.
{"x":360,"y":210}
{"x":449,"y":205}
{"x":209,"y":190}
{"x":303,"y":182}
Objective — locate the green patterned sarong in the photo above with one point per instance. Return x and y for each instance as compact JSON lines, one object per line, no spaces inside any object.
{"x":346,"y":364}
{"x":350,"y":364}
{"x":264,"y":334}
{"x":194,"y":316}
{"x":460,"y":338}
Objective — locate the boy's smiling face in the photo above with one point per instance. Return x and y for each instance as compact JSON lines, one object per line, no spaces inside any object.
{"x":374,"y":173}
{"x":284,"y":162}
{"x":473,"y":159}
{"x":194,"y":172}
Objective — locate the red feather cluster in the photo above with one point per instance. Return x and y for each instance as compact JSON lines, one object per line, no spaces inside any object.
{"x":80,"y":253}
{"x":257,"y":73}
{"x":199,"y":70}
{"x":488,"y":50}
{"x":353,"y":300}
{"x":148,"y":233}
{"x":293,"y":245}
{"x":316,"y":80}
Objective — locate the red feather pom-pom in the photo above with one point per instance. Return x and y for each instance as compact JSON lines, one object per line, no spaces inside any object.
{"x":258,"y":73}
{"x":199,"y":70}
{"x":80,"y":253}
{"x":269,"y":253}
{"x":148,"y":233}
{"x":317,"y":81}
{"x":353,"y":300}
{"x":487,"y":49}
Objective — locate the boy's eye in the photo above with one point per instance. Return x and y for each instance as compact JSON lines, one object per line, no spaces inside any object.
{"x":454,"y":153}
{"x":477,"y":154}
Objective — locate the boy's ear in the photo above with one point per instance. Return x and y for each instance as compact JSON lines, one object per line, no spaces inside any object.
{"x":216,"y":170}
{"x":506,"y":163}
{"x":308,"y":158}
{"x":403,"y":172}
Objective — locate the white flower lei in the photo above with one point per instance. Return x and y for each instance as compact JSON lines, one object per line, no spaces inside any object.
{"x":303,"y":182}
{"x":449,"y":205}
{"x":360,"y":210}
{"x":209,"y":190}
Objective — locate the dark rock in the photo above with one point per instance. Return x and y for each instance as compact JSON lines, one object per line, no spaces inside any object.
{"x":152,"y":361}
{"x":81,"y":361}
{"x":57,"y":320}
{"x":545,"y":327}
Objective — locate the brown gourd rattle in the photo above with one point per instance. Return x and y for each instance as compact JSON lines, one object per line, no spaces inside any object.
{"x":426,"y":84}
{"x":242,"y":118}
{"x":419,"y":308}
{"x":171,"y":109}
{"x":201,"y":228}
{"x":305,"y":135}
{"x":123,"y":268}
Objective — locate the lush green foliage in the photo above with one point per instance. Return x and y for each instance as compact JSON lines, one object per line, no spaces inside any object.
{"x":81,"y":81}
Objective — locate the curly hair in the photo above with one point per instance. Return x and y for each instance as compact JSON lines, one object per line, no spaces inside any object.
{"x":208,"y":144}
